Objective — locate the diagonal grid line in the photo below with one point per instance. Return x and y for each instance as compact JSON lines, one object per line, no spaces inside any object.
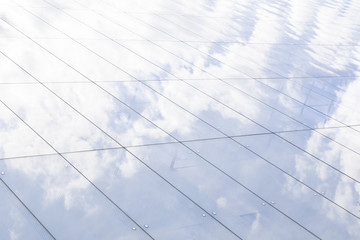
{"x":88,"y":26}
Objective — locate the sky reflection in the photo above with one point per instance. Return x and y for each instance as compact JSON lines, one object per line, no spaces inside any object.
{"x":179,"y":120}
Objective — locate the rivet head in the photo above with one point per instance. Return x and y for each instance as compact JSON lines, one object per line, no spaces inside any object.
{"x":263,"y":204}
{"x":214,"y":213}
{"x":2,"y":173}
{"x":315,"y":194}
{"x":204,"y":215}
{"x":272,"y":202}
{"x":134,"y":228}
{"x":146,"y":226}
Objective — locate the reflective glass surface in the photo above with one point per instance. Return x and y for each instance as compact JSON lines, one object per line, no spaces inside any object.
{"x":179,"y":119}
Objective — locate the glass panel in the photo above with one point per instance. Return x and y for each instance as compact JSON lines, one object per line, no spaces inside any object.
{"x":128,"y":20}
{"x":167,"y":27}
{"x":128,"y":61}
{"x":320,"y":56}
{"x":286,"y":104}
{"x":7,"y":31}
{"x":329,"y":151}
{"x":161,"y":56}
{"x":279,"y":190}
{"x":340,"y":83}
{"x":225,"y":199}
{"x":33,"y":58}
{"x":10,"y":73}
{"x":16,"y":221}
{"x":199,"y":27}
{"x":174,"y":120}
{"x":247,"y":107}
{"x":54,"y":120}
{"x":318,"y":171}
{"x":290,"y":61}
{"x":91,"y":66}
{"x":31,"y":26}
{"x":115,"y":118}
{"x":300,"y":87}
{"x":161,"y":208}
{"x":101,"y":24}
{"x":347,"y":137}
{"x":16,"y":138}
{"x":62,"y":199}
{"x":54,"y":16}
{"x":207,"y":109}
{"x":326,"y":98}
{"x":201,"y":58}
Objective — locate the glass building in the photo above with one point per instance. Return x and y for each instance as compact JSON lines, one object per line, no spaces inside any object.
{"x":202,"y":119}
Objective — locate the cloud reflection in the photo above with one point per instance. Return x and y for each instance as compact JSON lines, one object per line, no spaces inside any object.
{"x":218,"y":108}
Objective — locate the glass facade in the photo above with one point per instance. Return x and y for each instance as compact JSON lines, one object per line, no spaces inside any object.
{"x":178,"y":119}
